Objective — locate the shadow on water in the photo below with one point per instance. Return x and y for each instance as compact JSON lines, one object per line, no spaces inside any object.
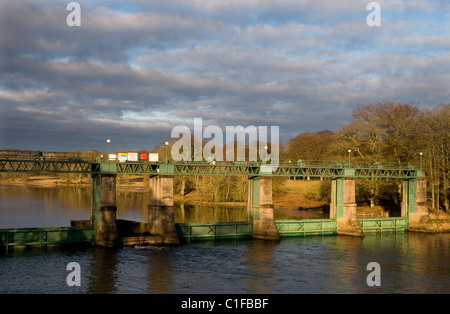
{"x":410,"y":262}
{"x":32,"y":207}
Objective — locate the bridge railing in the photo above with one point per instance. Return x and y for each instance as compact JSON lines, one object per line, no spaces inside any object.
{"x":346,"y":164}
{"x":94,"y":156}
{"x":46,"y":156}
{"x":306,"y":169}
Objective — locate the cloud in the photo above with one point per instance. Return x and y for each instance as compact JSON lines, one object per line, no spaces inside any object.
{"x":136,"y":69}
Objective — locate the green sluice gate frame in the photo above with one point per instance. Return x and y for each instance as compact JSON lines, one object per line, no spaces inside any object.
{"x":199,"y":231}
{"x":286,"y":228}
{"x":384,"y":224}
{"x":214,"y":230}
{"x":42,"y":237}
{"x":306,"y":227}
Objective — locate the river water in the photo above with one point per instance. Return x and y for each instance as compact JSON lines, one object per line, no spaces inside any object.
{"x":408,"y":262}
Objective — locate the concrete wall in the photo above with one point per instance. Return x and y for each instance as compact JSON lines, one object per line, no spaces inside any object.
{"x":104,"y":213}
{"x":414,"y":204}
{"x":161,"y":220}
{"x":343,"y":207}
{"x":260,"y":208}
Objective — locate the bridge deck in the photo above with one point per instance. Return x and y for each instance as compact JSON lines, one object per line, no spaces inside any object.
{"x":225,"y":168}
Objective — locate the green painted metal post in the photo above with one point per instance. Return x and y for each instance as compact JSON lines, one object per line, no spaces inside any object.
{"x":253,"y":199}
{"x":337,"y":198}
{"x":412,"y":196}
{"x":408,"y":205}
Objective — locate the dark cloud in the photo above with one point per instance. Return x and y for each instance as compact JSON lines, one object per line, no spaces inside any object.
{"x":136,"y":69}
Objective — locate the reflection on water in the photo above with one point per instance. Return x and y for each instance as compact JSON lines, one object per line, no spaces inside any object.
{"x":205,"y":213}
{"x":410,"y":262}
{"x":56,"y":207}
{"x":329,"y":264}
{"x":48,"y":207}
{"x":42,"y":207}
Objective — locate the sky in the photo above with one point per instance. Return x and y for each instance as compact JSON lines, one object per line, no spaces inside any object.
{"x":134,"y":70}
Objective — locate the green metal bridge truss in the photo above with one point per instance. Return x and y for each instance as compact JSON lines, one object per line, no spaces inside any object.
{"x":230,"y":169}
{"x":51,"y":166}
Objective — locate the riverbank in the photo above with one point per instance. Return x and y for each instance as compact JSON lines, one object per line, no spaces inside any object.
{"x":50,"y":181}
{"x":292,"y":196}
{"x":290,"y":202}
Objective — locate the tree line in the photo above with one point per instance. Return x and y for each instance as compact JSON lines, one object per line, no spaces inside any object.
{"x":383,"y":132}
{"x":389,"y":132}
{"x":394,"y":132}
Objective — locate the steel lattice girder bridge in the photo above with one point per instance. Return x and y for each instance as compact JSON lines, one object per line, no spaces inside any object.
{"x":249,"y":169}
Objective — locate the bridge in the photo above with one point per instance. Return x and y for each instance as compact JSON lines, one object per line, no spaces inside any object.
{"x":161,"y":229}
{"x":303,"y":169}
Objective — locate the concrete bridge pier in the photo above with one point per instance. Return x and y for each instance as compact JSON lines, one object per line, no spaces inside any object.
{"x":260,"y":208}
{"x":161,"y":221}
{"x":343,"y":207}
{"x":414,"y":204}
{"x":103,"y":216}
